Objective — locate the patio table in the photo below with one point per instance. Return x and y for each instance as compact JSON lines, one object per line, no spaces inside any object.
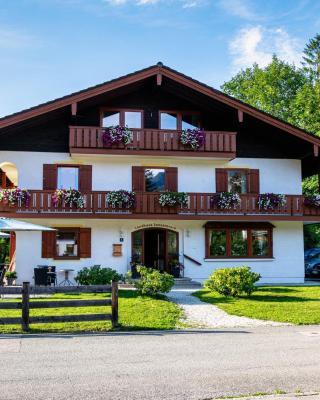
{"x":66,"y":281}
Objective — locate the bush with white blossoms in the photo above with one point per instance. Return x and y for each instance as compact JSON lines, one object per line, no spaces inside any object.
{"x":226,"y":200}
{"x":173,"y":199}
{"x":312,"y":201}
{"x":121,"y":199}
{"x":70,"y":197}
{"x":194,"y":138}
{"x":14,"y":197}
{"x":271,"y":201}
{"x":116,"y":135}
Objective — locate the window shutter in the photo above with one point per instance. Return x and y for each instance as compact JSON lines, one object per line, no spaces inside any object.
{"x":138,"y":179}
{"x":221,"y":180}
{"x":172,"y":179}
{"x":254,"y":181}
{"x":48,"y":244}
{"x":85,"y":243}
{"x":85,"y":178}
{"x":3,"y":180}
{"x":50,"y":177}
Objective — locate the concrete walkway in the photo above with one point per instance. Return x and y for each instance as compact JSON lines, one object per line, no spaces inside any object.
{"x":206,"y":315}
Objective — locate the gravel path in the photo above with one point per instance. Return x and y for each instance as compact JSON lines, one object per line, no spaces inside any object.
{"x":207,"y":315}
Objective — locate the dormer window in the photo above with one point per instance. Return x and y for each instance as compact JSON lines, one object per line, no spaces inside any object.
{"x":130,"y":118}
{"x":174,"y":120}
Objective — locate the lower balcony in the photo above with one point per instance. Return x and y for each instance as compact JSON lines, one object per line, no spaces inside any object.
{"x":147,"y":206}
{"x":88,"y":140}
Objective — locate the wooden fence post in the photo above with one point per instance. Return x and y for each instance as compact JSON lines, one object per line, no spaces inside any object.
{"x":114,"y":304}
{"x":25,"y":306}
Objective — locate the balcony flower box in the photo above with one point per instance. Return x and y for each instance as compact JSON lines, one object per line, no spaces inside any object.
{"x":193,"y":138}
{"x":15,"y":197}
{"x":173,"y":199}
{"x":271,"y":201}
{"x":67,"y":197}
{"x":121,"y":199}
{"x":116,"y":135}
{"x":225,"y":200}
{"x":312,"y":201}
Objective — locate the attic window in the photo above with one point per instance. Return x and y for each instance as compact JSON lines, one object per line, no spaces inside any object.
{"x":130,"y":118}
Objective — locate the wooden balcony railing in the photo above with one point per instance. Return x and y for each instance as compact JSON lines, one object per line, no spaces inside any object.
{"x":88,"y":139}
{"x":200,"y":206}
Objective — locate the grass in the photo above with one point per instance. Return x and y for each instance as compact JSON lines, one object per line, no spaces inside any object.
{"x":295,"y":304}
{"x":135,"y":313}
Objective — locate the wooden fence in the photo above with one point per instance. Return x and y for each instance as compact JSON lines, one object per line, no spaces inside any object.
{"x":25,"y":305}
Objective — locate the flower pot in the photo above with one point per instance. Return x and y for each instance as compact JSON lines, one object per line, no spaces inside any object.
{"x":175,"y":271}
{"x":134,"y":273}
{"x":10,"y":281}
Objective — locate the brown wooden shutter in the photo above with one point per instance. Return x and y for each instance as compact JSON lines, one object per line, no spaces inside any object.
{"x":85,"y":178}
{"x":3,"y":180}
{"x":221,"y":180}
{"x":172,"y":179}
{"x":50,"y":177}
{"x":48,"y":244}
{"x":254,"y":181}
{"x":138,"y":179}
{"x":85,"y":243}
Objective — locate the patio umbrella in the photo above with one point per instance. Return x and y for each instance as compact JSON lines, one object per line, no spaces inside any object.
{"x":4,"y":235}
{"x":9,"y":225}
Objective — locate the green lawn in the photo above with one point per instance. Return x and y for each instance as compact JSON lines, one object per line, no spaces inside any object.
{"x":295,"y":304}
{"x":135,"y":313}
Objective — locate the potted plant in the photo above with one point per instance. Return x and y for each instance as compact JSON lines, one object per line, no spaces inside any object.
{"x":135,"y":261}
{"x":176,"y":267}
{"x":116,"y":135}
{"x":193,"y":138}
{"x":173,"y":199}
{"x":10,"y":277}
{"x":121,"y":199}
{"x":225,"y":200}
{"x":312,"y":201}
{"x":14,"y":197}
{"x":70,"y":197}
{"x":271,"y":201}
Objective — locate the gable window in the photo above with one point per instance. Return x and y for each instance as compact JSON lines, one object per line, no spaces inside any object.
{"x":68,"y":177}
{"x":172,"y":120}
{"x":154,"y":179}
{"x":67,"y":243}
{"x":243,"y":240}
{"x":130,"y":118}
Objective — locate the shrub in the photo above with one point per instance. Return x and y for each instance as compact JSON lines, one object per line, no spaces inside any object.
{"x":233,"y":281}
{"x":11,"y":275}
{"x":97,"y":276}
{"x":152,"y":282}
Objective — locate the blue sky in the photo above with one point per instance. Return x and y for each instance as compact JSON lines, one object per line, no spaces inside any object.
{"x":49,"y":48}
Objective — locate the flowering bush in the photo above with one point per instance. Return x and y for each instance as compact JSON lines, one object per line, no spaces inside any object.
{"x":226,"y":200}
{"x":270,"y":201}
{"x":172,"y":199}
{"x":312,"y":201}
{"x":14,"y":197}
{"x":194,"y":138}
{"x":116,"y":135}
{"x":121,"y":199}
{"x":71,"y":197}
{"x":153,"y":282}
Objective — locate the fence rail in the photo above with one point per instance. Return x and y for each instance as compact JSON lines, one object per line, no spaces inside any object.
{"x":147,"y":203}
{"x":154,"y":140}
{"x":25,"y":305}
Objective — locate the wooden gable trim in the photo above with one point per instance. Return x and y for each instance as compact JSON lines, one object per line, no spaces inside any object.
{"x":171,"y":74}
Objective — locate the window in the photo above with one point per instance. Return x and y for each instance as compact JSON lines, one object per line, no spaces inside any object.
{"x":177,"y":120}
{"x":237,"y":181}
{"x":67,"y":243}
{"x":132,"y":119}
{"x":243,"y":240}
{"x":68,"y":177}
{"x":154,"y":179}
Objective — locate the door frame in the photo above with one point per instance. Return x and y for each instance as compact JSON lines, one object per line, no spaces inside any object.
{"x":165,"y":243}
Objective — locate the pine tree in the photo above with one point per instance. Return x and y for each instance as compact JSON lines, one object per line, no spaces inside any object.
{"x":311,"y":58}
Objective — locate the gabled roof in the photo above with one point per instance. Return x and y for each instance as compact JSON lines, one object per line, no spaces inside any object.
{"x":167,"y":72}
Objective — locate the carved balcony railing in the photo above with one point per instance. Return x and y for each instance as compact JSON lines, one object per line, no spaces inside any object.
{"x":88,"y":140}
{"x":200,"y":206}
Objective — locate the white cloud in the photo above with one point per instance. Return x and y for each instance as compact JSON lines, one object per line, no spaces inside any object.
{"x":257,"y":45}
{"x":238,"y":8}
{"x":184,"y":3}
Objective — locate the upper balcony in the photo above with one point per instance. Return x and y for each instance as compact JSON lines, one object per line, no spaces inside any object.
{"x":88,"y":140}
{"x":199,"y":207}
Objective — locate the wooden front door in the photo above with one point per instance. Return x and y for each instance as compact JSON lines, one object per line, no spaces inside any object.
{"x":155,"y":248}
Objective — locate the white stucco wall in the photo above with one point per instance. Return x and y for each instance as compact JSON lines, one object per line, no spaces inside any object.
{"x":194,"y":175}
{"x":286,"y":266}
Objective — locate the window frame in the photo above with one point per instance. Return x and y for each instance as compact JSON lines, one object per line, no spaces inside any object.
{"x":67,"y":229}
{"x":68,"y":166}
{"x":179,"y":114}
{"x":247,"y":172}
{"x":228,"y":228}
{"x":122,"y":112}
{"x":165,"y":178}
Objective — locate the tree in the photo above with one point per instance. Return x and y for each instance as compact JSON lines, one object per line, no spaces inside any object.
{"x":311,"y":58}
{"x":271,"y":89}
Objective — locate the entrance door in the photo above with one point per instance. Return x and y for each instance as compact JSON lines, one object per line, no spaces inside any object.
{"x":155,"y":248}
